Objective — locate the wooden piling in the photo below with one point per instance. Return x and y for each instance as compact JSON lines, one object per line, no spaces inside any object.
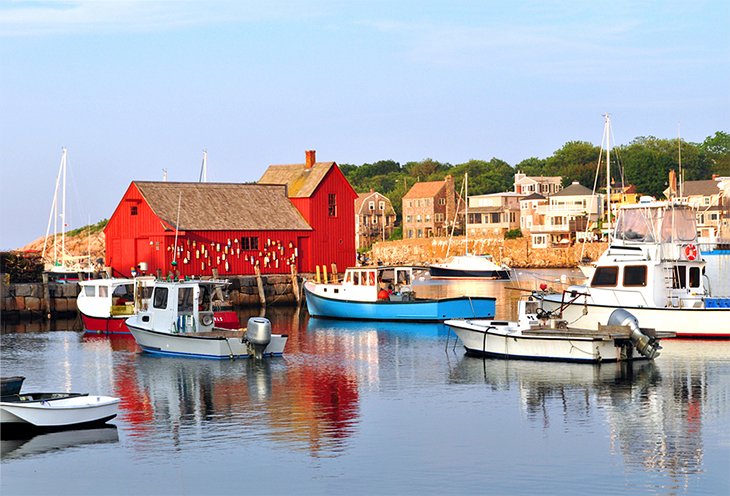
{"x":260,"y":284}
{"x":317,"y":277}
{"x":47,"y":295}
{"x":295,"y":284}
{"x":324,"y":274}
{"x":335,"y":279}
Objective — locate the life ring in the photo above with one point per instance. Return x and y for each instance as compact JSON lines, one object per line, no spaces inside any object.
{"x":207,"y":319}
{"x":690,"y":251}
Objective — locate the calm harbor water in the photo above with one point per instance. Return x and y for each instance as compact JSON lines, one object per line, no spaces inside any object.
{"x":376,"y":408}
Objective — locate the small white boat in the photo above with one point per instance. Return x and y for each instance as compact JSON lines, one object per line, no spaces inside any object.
{"x":56,"y":410}
{"x":470,"y":266}
{"x":541,"y":335}
{"x":180,"y":322}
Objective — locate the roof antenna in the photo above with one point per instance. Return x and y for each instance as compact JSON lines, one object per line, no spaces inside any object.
{"x":164,"y":175}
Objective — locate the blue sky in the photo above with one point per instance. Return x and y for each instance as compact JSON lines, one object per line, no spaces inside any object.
{"x":132,"y":87}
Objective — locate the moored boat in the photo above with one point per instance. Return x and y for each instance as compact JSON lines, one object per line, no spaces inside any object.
{"x":55,"y":410}
{"x":654,"y":269}
{"x":11,"y":385}
{"x":386,"y":293}
{"x":180,"y":322}
{"x":542,"y":335}
{"x":470,"y":266}
{"x":105,"y":304}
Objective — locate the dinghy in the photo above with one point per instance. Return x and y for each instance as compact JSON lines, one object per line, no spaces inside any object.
{"x":55,"y":410}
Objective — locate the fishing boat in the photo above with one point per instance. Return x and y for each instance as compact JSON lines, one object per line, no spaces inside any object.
{"x":55,"y":410}
{"x":469,"y":265}
{"x":543,"y":335}
{"x":386,"y":293}
{"x":105,"y":304}
{"x":180,"y":322}
{"x":654,"y":269}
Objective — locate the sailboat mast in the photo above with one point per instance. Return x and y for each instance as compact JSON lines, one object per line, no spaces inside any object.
{"x":63,"y":209}
{"x":679,"y":153}
{"x":204,"y":168}
{"x":607,"y":134}
{"x":466,"y":211}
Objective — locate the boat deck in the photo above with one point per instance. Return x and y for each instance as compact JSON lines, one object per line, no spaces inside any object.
{"x":218,"y":333}
{"x":603,"y":333}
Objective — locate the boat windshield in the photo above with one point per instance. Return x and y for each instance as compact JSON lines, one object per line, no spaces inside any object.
{"x":637,"y":225}
{"x":678,"y":224}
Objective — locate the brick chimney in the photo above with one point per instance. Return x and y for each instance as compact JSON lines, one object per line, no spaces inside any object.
{"x":310,"y":158}
{"x":672,"y":183}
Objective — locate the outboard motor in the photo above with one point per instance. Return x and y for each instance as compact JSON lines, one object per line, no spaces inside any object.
{"x":646,"y":345}
{"x":258,"y":335}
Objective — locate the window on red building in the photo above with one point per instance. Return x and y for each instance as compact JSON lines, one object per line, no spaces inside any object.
{"x":332,"y":205}
{"x":133,"y":210}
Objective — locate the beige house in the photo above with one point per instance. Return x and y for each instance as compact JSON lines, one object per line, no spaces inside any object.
{"x":544,"y":185}
{"x":567,"y":216}
{"x":374,"y":218}
{"x":531,"y":215}
{"x":429,"y":209}
{"x":712,"y":207}
{"x":493,"y":214}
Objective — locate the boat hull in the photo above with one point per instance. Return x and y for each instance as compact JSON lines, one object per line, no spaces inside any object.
{"x":225,"y":319}
{"x":684,"y":322}
{"x":481,"y":338}
{"x":407,"y":311}
{"x":66,"y":412}
{"x":447,"y":273}
{"x":196,"y":346}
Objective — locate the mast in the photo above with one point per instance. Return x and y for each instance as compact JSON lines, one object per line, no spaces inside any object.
{"x":679,"y":153}
{"x":607,"y":136}
{"x":53,"y":215}
{"x":63,"y":210}
{"x":466,"y":211}
{"x":204,"y":168}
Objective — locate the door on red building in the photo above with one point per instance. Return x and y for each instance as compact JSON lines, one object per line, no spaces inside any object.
{"x":143,"y":252}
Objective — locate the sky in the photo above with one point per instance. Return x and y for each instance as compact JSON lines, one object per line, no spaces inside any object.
{"x":133,"y":87}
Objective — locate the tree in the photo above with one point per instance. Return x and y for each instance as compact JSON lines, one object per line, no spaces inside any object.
{"x":717,"y":149}
{"x":575,"y":161}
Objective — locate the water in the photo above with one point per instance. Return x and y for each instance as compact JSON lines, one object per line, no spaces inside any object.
{"x":376,"y":408}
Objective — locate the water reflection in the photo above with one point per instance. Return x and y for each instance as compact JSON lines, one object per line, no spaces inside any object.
{"x":30,"y":444}
{"x":654,"y":415}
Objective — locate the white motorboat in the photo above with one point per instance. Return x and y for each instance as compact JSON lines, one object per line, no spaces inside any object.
{"x":56,"y":410}
{"x":541,"y":335}
{"x":104,"y":304}
{"x":653,"y":268}
{"x":180,"y":322}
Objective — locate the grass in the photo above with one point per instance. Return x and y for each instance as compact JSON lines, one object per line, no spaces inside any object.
{"x":90,"y":229}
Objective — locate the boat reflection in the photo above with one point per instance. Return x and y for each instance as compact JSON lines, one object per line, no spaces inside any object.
{"x":654,"y":417}
{"x":414,"y":330}
{"x":304,"y":406}
{"x":38,"y":443}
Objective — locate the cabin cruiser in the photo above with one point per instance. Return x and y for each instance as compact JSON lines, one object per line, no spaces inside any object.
{"x":653,"y":268}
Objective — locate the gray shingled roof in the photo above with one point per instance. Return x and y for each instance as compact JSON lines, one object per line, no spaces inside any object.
{"x":300,"y":181}
{"x":223,"y":206}
{"x":574,"y":189}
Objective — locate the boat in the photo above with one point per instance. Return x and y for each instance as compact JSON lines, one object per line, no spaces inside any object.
{"x":22,"y":444}
{"x":386,"y":293}
{"x":180,"y":322}
{"x":11,"y":385}
{"x":654,"y":269}
{"x":55,"y":410}
{"x":469,"y":265}
{"x":105,"y":304}
{"x":58,"y":262}
{"x":542,"y":335}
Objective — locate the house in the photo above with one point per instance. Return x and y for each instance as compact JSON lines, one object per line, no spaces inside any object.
{"x":374,"y":218}
{"x":429,"y":209}
{"x":530,"y":214}
{"x":493,"y":214}
{"x":544,"y":185}
{"x":568,"y":216}
{"x":194,"y":228}
{"x":326,"y":200}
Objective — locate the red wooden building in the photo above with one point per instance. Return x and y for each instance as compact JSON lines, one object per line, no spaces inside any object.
{"x":301,"y":214}
{"x":323,"y":195}
{"x":202,"y":226}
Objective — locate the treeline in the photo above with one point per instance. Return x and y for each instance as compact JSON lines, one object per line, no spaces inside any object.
{"x":645,"y":162}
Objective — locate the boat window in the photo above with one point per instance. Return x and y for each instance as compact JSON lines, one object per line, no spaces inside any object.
{"x":348,"y":277}
{"x":90,"y":291}
{"x":205,"y":294}
{"x":635,"y":275}
{"x":694,"y":277}
{"x":185,"y":299}
{"x":404,"y":277}
{"x":160,"y":298}
{"x":103,"y":291}
{"x":679,"y":224}
{"x":371,"y":278}
{"x":635,"y":225}
{"x":679,"y":276}
{"x":605,"y":276}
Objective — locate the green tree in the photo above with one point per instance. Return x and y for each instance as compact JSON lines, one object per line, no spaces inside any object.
{"x":717,"y":149}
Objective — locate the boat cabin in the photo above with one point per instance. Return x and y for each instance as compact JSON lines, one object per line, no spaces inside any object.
{"x":653,"y":259}
{"x":114,"y":297}
{"x":372,"y":284}
{"x":185,"y":306}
